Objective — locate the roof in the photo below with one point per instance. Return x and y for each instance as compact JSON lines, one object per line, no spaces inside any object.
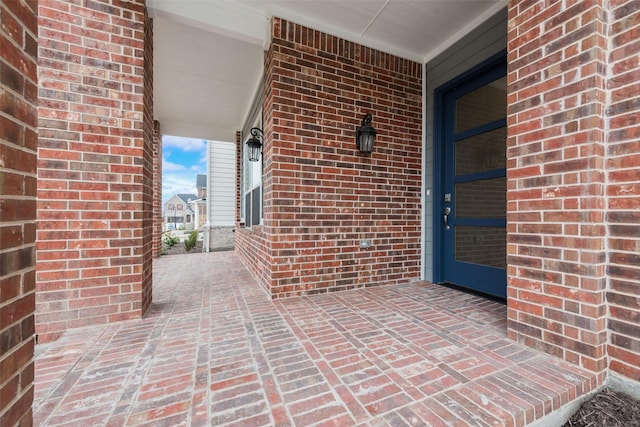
{"x":187,"y":197}
{"x":201,"y":181}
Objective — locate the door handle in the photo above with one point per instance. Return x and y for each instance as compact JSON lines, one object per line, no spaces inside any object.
{"x":447,"y":211}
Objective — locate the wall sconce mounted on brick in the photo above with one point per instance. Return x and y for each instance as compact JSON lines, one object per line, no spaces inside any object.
{"x":365,"y":135}
{"x":255,"y":145}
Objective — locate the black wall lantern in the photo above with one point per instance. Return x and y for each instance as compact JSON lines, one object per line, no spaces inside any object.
{"x":365,"y":135}
{"x":255,"y":145}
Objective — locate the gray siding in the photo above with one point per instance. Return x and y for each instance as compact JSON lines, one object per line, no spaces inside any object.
{"x":483,"y":42}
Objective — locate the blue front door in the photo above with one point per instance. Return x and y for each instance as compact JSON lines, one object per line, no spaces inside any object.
{"x":472,"y":155}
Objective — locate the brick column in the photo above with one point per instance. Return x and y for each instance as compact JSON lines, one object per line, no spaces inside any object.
{"x":623,"y":189}
{"x":556,"y":193}
{"x":18,"y":144}
{"x":149,"y":179}
{"x":94,"y":164}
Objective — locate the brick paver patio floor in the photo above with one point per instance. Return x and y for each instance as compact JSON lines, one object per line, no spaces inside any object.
{"x":215,"y":350}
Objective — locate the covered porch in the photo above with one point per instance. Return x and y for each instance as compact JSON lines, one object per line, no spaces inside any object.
{"x":214,"y":349}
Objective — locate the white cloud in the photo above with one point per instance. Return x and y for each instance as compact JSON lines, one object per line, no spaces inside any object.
{"x":168,"y":166}
{"x":178,"y":184}
{"x":184,"y":144}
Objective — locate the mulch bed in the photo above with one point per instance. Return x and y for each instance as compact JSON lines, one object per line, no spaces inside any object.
{"x":607,"y":409}
{"x":178,"y":249}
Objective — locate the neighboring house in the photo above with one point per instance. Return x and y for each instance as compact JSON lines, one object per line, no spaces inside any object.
{"x":221,"y":188}
{"x":178,"y":212}
{"x":199,"y":205}
{"x":201,"y":186}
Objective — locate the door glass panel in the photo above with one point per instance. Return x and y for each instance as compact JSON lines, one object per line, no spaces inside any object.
{"x":482,"y":106}
{"x":480,"y":153}
{"x":481,"y":245}
{"x":485,"y":198}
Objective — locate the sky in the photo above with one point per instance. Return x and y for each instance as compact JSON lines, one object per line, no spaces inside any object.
{"x":182,"y":160}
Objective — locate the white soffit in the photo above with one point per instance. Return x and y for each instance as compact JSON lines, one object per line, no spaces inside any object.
{"x":228,"y":18}
{"x":204,"y":80}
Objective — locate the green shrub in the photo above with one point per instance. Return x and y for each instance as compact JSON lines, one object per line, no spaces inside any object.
{"x":191,"y":241}
{"x":171,"y":240}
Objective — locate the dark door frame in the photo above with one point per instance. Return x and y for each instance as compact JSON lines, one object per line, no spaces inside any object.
{"x":496,"y":60}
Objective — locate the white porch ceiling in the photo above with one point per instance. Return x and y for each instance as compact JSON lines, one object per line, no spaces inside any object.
{"x":208,"y":54}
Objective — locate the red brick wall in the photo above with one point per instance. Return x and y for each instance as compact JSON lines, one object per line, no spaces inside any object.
{"x":149,"y":176}
{"x":158,"y":219}
{"x":18,"y":144}
{"x":556,"y":194}
{"x":623,"y":189}
{"x":250,"y":243}
{"x":238,"y":176}
{"x":94,"y":165}
{"x":321,"y":196}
